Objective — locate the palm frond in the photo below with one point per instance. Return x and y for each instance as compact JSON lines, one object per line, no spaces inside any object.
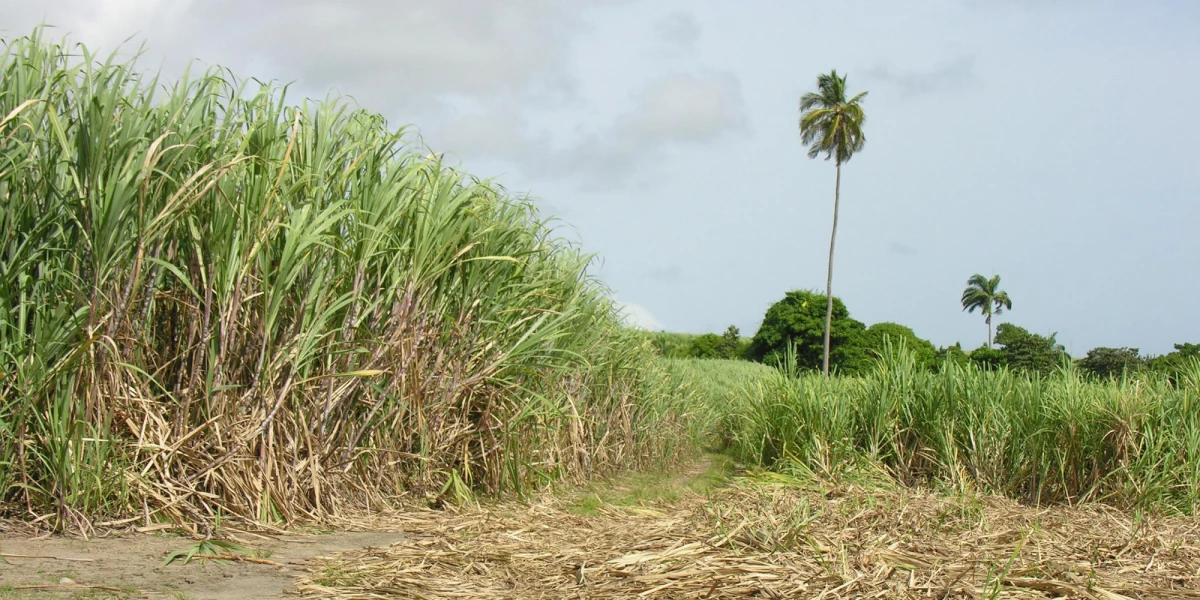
{"x":829,"y":123}
{"x":812,"y":101}
{"x":1002,"y":299}
{"x":983,"y":294}
{"x":978,"y":281}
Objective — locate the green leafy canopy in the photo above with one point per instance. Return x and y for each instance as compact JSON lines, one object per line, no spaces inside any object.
{"x":800,"y":318}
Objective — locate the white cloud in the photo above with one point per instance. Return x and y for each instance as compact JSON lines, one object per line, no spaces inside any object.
{"x":498,"y":131}
{"x":684,"y":108}
{"x":666,"y":274}
{"x":679,"y":31}
{"x":473,"y":75}
{"x":388,"y":53}
{"x":955,"y":73}
{"x":419,"y":50}
{"x":639,"y":316}
{"x":671,"y":110}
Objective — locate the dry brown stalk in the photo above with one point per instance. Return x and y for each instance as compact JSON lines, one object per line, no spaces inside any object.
{"x":4,"y":555}
{"x":235,"y":558}
{"x":63,"y":586}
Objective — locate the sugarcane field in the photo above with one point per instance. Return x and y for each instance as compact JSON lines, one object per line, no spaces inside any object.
{"x":532,"y":300}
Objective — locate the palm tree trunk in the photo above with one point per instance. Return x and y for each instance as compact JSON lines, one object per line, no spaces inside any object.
{"x":989,"y":324}
{"x":837,"y":192}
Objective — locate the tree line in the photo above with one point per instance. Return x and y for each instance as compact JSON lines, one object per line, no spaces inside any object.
{"x":799,"y":319}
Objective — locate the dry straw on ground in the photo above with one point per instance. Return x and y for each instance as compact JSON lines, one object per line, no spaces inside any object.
{"x":776,"y":541}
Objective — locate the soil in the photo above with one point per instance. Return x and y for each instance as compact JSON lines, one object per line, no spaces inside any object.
{"x":131,"y":566}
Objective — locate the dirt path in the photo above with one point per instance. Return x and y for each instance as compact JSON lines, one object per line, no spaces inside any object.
{"x":689,"y":534}
{"x":132,"y":566}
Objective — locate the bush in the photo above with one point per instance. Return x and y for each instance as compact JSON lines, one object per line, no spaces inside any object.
{"x":1179,"y":364}
{"x":875,"y":338}
{"x":799,"y":318}
{"x":728,"y":345}
{"x":1108,"y":363}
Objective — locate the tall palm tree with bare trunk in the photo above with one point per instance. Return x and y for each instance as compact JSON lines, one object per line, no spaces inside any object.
{"x":985,"y":295}
{"x":831,"y":124}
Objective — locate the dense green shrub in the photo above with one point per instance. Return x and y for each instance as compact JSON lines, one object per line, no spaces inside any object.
{"x":875,"y":339}
{"x":799,"y":319}
{"x":1111,"y":362}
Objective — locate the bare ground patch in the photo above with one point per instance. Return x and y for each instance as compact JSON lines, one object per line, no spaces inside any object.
{"x":131,"y":566}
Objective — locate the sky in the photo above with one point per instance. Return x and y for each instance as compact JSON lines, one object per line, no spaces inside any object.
{"x":1052,"y":142}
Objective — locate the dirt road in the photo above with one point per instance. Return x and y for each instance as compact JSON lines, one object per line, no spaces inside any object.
{"x":693,"y":534}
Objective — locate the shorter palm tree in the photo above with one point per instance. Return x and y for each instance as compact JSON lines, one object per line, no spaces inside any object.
{"x":985,"y":294}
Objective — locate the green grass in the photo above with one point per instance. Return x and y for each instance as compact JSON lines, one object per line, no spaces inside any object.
{"x":717,"y":390}
{"x":669,"y":344}
{"x":651,"y":488}
{"x":635,"y":490}
{"x":718,"y":473}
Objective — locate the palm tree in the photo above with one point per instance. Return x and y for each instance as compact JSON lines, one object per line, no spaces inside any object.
{"x":985,"y":294}
{"x":832,"y":125}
